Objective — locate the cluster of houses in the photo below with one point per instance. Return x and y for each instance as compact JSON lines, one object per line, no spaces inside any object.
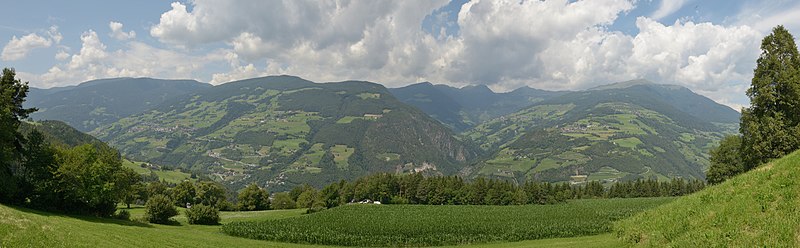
{"x":158,"y":128}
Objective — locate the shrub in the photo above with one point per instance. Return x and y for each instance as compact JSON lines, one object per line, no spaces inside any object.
{"x":159,"y":209}
{"x":123,"y":215}
{"x":202,"y":215}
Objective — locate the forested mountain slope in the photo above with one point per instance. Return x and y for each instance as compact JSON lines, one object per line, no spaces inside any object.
{"x":95,"y":103}
{"x":283,"y":131}
{"x":625,"y":131}
{"x":463,"y":108}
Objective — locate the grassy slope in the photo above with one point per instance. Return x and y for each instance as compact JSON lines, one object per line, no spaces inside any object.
{"x":758,"y":208}
{"x":26,"y":228}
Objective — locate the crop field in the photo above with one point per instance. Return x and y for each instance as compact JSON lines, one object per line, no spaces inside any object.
{"x":419,"y":225}
{"x":21,"y":227}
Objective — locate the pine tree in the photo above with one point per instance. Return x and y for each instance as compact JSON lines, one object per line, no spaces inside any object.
{"x":770,"y":126}
{"x":12,"y":94}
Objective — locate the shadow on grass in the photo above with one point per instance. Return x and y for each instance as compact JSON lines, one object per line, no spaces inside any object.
{"x":82,"y":217}
{"x":170,"y":222}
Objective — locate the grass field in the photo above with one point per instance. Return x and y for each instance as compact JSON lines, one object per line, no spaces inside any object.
{"x":173,"y":176}
{"x":21,"y":227}
{"x":755,"y":209}
{"x":418,"y":225}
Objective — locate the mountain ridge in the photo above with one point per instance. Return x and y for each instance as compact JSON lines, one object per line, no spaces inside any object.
{"x":285,"y":130}
{"x":94,"y":103}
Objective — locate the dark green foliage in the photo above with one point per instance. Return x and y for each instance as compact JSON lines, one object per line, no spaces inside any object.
{"x":122,"y":215}
{"x":95,"y":103}
{"x":184,"y":194}
{"x":159,"y":209}
{"x":255,"y":138}
{"x":452,"y":190}
{"x":282,"y":201}
{"x":58,"y":133}
{"x":416,"y":226}
{"x":770,"y":127}
{"x":202,"y":215}
{"x":211,"y":194}
{"x":45,"y":172}
{"x":726,"y":160}
{"x":307,"y":199}
{"x":128,"y":185}
{"x":466,"y":107}
{"x":85,"y":179}
{"x":253,"y":198}
{"x":12,"y":94}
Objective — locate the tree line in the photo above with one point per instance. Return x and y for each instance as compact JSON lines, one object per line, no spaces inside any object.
{"x":770,"y":127}
{"x":453,"y":190}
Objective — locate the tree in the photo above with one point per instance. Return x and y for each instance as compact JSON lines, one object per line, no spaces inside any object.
{"x":159,"y":209}
{"x":307,"y":198}
{"x":210,"y":193}
{"x":726,"y":160}
{"x":128,"y":185}
{"x":770,"y":127}
{"x":184,"y":193}
{"x":85,"y":179}
{"x":253,"y":198}
{"x":12,"y":94}
{"x":201,"y":214}
{"x":283,"y":201}
{"x":37,"y":172}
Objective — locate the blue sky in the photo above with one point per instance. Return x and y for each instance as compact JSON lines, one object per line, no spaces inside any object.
{"x":707,"y":46}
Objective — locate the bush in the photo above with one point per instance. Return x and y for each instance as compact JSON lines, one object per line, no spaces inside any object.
{"x":159,"y":209}
{"x":202,"y":215}
{"x":123,"y":215}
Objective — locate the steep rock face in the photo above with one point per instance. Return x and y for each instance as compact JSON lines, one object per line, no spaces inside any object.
{"x":283,"y":131}
{"x":617,"y":132}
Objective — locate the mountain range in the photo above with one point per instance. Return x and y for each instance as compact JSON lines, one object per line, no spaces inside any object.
{"x":282,"y":131}
{"x":464,"y":108}
{"x":99,"y":102}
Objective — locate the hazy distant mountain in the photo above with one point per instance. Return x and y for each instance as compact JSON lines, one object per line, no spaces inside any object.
{"x":98,"y":102}
{"x":463,"y":108}
{"x":283,"y":131}
{"x":626,"y":131}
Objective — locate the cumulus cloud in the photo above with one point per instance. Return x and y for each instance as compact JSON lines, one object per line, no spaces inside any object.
{"x":62,"y":55}
{"x":18,"y":48}
{"x":136,"y":59}
{"x":117,"y":33}
{"x":504,"y":44}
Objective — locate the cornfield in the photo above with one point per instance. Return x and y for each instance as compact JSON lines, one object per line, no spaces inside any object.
{"x":419,"y":225}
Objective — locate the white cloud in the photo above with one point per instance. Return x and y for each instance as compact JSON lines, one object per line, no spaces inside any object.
{"x":117,"y":33}
{"x":667,"y":7}
{"x":765,"y":15}
{"x":505,"y":44}
{"x":136,"y":59}
{"x":62,"y":55}
{"x":18,"y":48}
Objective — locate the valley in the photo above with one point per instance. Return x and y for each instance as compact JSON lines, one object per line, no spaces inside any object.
{"x":448,"y":123}
{"x":286,"y":131}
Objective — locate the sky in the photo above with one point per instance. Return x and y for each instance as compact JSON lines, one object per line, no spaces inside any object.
{"x":708,"y":46}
